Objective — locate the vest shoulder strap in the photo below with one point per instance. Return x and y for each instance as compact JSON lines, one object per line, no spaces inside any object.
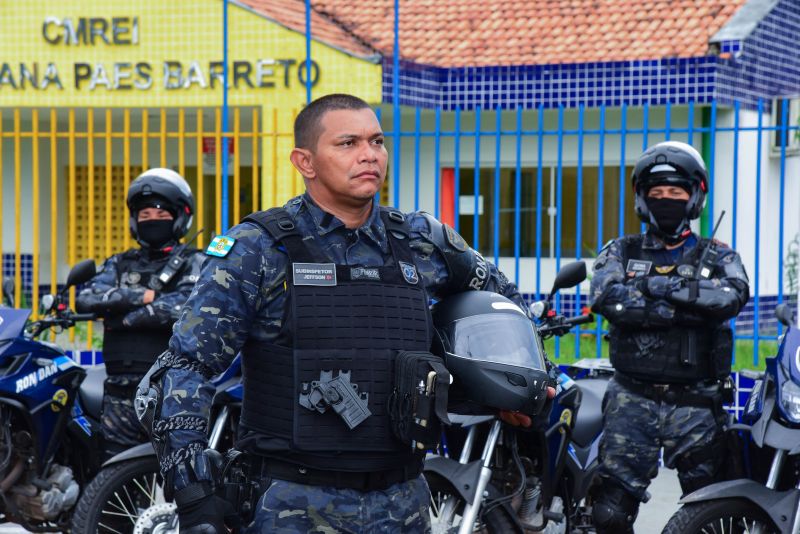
{"x":397,"y":232}
{"x":279,"y":223}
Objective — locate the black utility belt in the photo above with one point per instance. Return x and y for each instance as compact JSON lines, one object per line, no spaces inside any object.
{"x":362,"y":481}
{"x":672,"y":393}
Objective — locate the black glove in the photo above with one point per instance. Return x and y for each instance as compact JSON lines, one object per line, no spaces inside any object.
{"x":205,"y":516}
{"x":658,"y":286}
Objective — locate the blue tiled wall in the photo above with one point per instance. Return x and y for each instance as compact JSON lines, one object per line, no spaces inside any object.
{"x":767,"y":63}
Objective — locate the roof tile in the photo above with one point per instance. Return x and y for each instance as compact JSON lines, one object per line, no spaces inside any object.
{"x":456,"y":33}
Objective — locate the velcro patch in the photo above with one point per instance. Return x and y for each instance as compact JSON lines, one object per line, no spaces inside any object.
{"x":454,"y":239}
{"x":638,"y":268}
{"x":220,"y":246}
{"x":314,"y":274}
{"x":365,"y":273}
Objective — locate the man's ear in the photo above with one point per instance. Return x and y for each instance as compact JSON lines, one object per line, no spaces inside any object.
{"x":301,"y":159}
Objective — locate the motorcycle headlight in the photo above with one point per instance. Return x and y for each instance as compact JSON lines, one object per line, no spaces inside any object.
{"x":790,"y":400}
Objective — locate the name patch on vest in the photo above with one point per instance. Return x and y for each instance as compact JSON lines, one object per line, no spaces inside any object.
{"x":638,"y":268}
{"x":314,"y":274}
{"x":363,"y":273}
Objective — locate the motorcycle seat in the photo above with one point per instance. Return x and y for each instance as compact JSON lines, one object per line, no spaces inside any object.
{"x":589,"y":419}
{"x":91,"y":390}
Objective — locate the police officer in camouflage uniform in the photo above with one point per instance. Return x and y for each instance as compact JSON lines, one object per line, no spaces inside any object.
{"x":330,"y":282}
{"x":667,"y":305}
{"x":139,"y":293}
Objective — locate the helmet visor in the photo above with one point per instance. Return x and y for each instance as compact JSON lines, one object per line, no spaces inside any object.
{"x":499,"y":338}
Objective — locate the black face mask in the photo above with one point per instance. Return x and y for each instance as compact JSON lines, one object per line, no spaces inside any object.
{"x":155,"y":233}
{"x":668,"y":212}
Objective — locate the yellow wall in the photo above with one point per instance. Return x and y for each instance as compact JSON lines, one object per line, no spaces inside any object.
{"x":174,"y":30}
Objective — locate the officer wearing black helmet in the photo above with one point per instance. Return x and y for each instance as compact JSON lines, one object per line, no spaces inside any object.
{"x":139,"y":293}
{"x":668,"y":295}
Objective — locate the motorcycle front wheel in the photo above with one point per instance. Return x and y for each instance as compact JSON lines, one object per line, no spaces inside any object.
{"x":723,"y":516}
{"x":447,"y":506}
{"x":124,"y":498}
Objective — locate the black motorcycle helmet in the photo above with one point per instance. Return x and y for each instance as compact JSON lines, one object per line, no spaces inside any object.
{"x":492,"y":351}
{"x":165,"y":189}
{"x":670,"y":163}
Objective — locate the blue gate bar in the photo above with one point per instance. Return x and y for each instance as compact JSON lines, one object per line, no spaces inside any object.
{"x":396,"y":120}
{"x":645,"y":124}
{"x":457,"y":171}
{"x":308,"y":51}
{"x":416,"y":158}
{"x":477,"y":181}
{"x":437,"y":171}
{"x":622,"y":177}
{"x":225,"y":128}
{"x":758,"y":230}
{"x":578,"y":225}
{"x":735,"y":201}
{"x":667,"y":121}
{"x":712,"y":140}
{"x":539,"y":146}
{"x":559,"y":192}
{"x":690,"y":136}
{"x":518,"y":195}
{"x":784,"y":138}
{"x":498,"y":138}
{"x":600,"y":207}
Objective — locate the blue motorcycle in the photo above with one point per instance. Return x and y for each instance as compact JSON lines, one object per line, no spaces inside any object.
{"x":126,"y":496}
{"x":49,"y":410}
{"x":767,"y":501}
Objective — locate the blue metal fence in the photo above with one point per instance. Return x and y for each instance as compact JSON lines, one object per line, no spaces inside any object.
{"x":521,"y":138}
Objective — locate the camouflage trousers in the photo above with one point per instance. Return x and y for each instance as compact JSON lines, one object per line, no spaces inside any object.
{"x":636,"y":428}
{"x":119,"y":425}
{"x":291,"y":508}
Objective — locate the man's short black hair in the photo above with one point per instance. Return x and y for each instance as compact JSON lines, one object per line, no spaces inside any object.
{"x":306,"y":125}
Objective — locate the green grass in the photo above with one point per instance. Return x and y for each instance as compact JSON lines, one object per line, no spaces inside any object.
{"x":588,"y":349}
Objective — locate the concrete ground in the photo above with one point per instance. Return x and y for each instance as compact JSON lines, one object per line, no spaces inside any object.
{"x":653,"y":515}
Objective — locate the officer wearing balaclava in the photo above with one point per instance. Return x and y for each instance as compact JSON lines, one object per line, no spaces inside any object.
{"x":139,"y":293}
{"x":668,"y":306}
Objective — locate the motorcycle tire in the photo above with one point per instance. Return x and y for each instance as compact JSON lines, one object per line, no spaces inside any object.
{"x":496,"y":521}
{"x":117,"y":496}
{"x":720,"y":516}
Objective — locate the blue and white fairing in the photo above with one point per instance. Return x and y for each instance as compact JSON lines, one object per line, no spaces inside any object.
{"x":36,"y":378}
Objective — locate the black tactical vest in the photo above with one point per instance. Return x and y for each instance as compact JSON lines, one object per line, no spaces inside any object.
{"x":127,"y":350}
{"x":339,"y":319}
{"x":679,"y":354}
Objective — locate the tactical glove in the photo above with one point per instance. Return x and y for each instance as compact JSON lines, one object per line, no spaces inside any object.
{"x":205,"y":516}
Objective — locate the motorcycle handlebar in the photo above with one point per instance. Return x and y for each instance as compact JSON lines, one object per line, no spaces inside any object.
{"x":83,"y":316}
{"x":580,"y":319}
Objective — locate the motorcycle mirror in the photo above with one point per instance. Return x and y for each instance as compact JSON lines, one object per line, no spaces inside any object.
{"x":81,"y":272}
{"x":8,"y":291}
{"x":570,"y":275}
{"x":785,"y":314}
{"x":46,"y":304}
{"x":538,"y":308}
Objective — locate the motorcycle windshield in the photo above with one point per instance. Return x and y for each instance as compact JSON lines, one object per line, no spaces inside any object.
{"x":498,"y":338}
{"x":12,"y":322}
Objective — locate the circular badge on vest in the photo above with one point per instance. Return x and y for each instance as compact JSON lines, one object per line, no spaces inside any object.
{"x":687,"y":271}
{"x":133,"y":278}
{"x":409,"y":272}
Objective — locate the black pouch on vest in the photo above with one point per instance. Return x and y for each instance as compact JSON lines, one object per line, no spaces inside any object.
{"x":721,"y":351}
{"x":418,"y":404}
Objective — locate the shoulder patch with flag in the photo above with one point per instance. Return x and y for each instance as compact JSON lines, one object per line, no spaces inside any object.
{"x":220,"y":246}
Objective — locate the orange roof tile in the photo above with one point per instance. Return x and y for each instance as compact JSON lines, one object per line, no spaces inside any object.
{"x":291,"y":13}
{"x":458,"y":33}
